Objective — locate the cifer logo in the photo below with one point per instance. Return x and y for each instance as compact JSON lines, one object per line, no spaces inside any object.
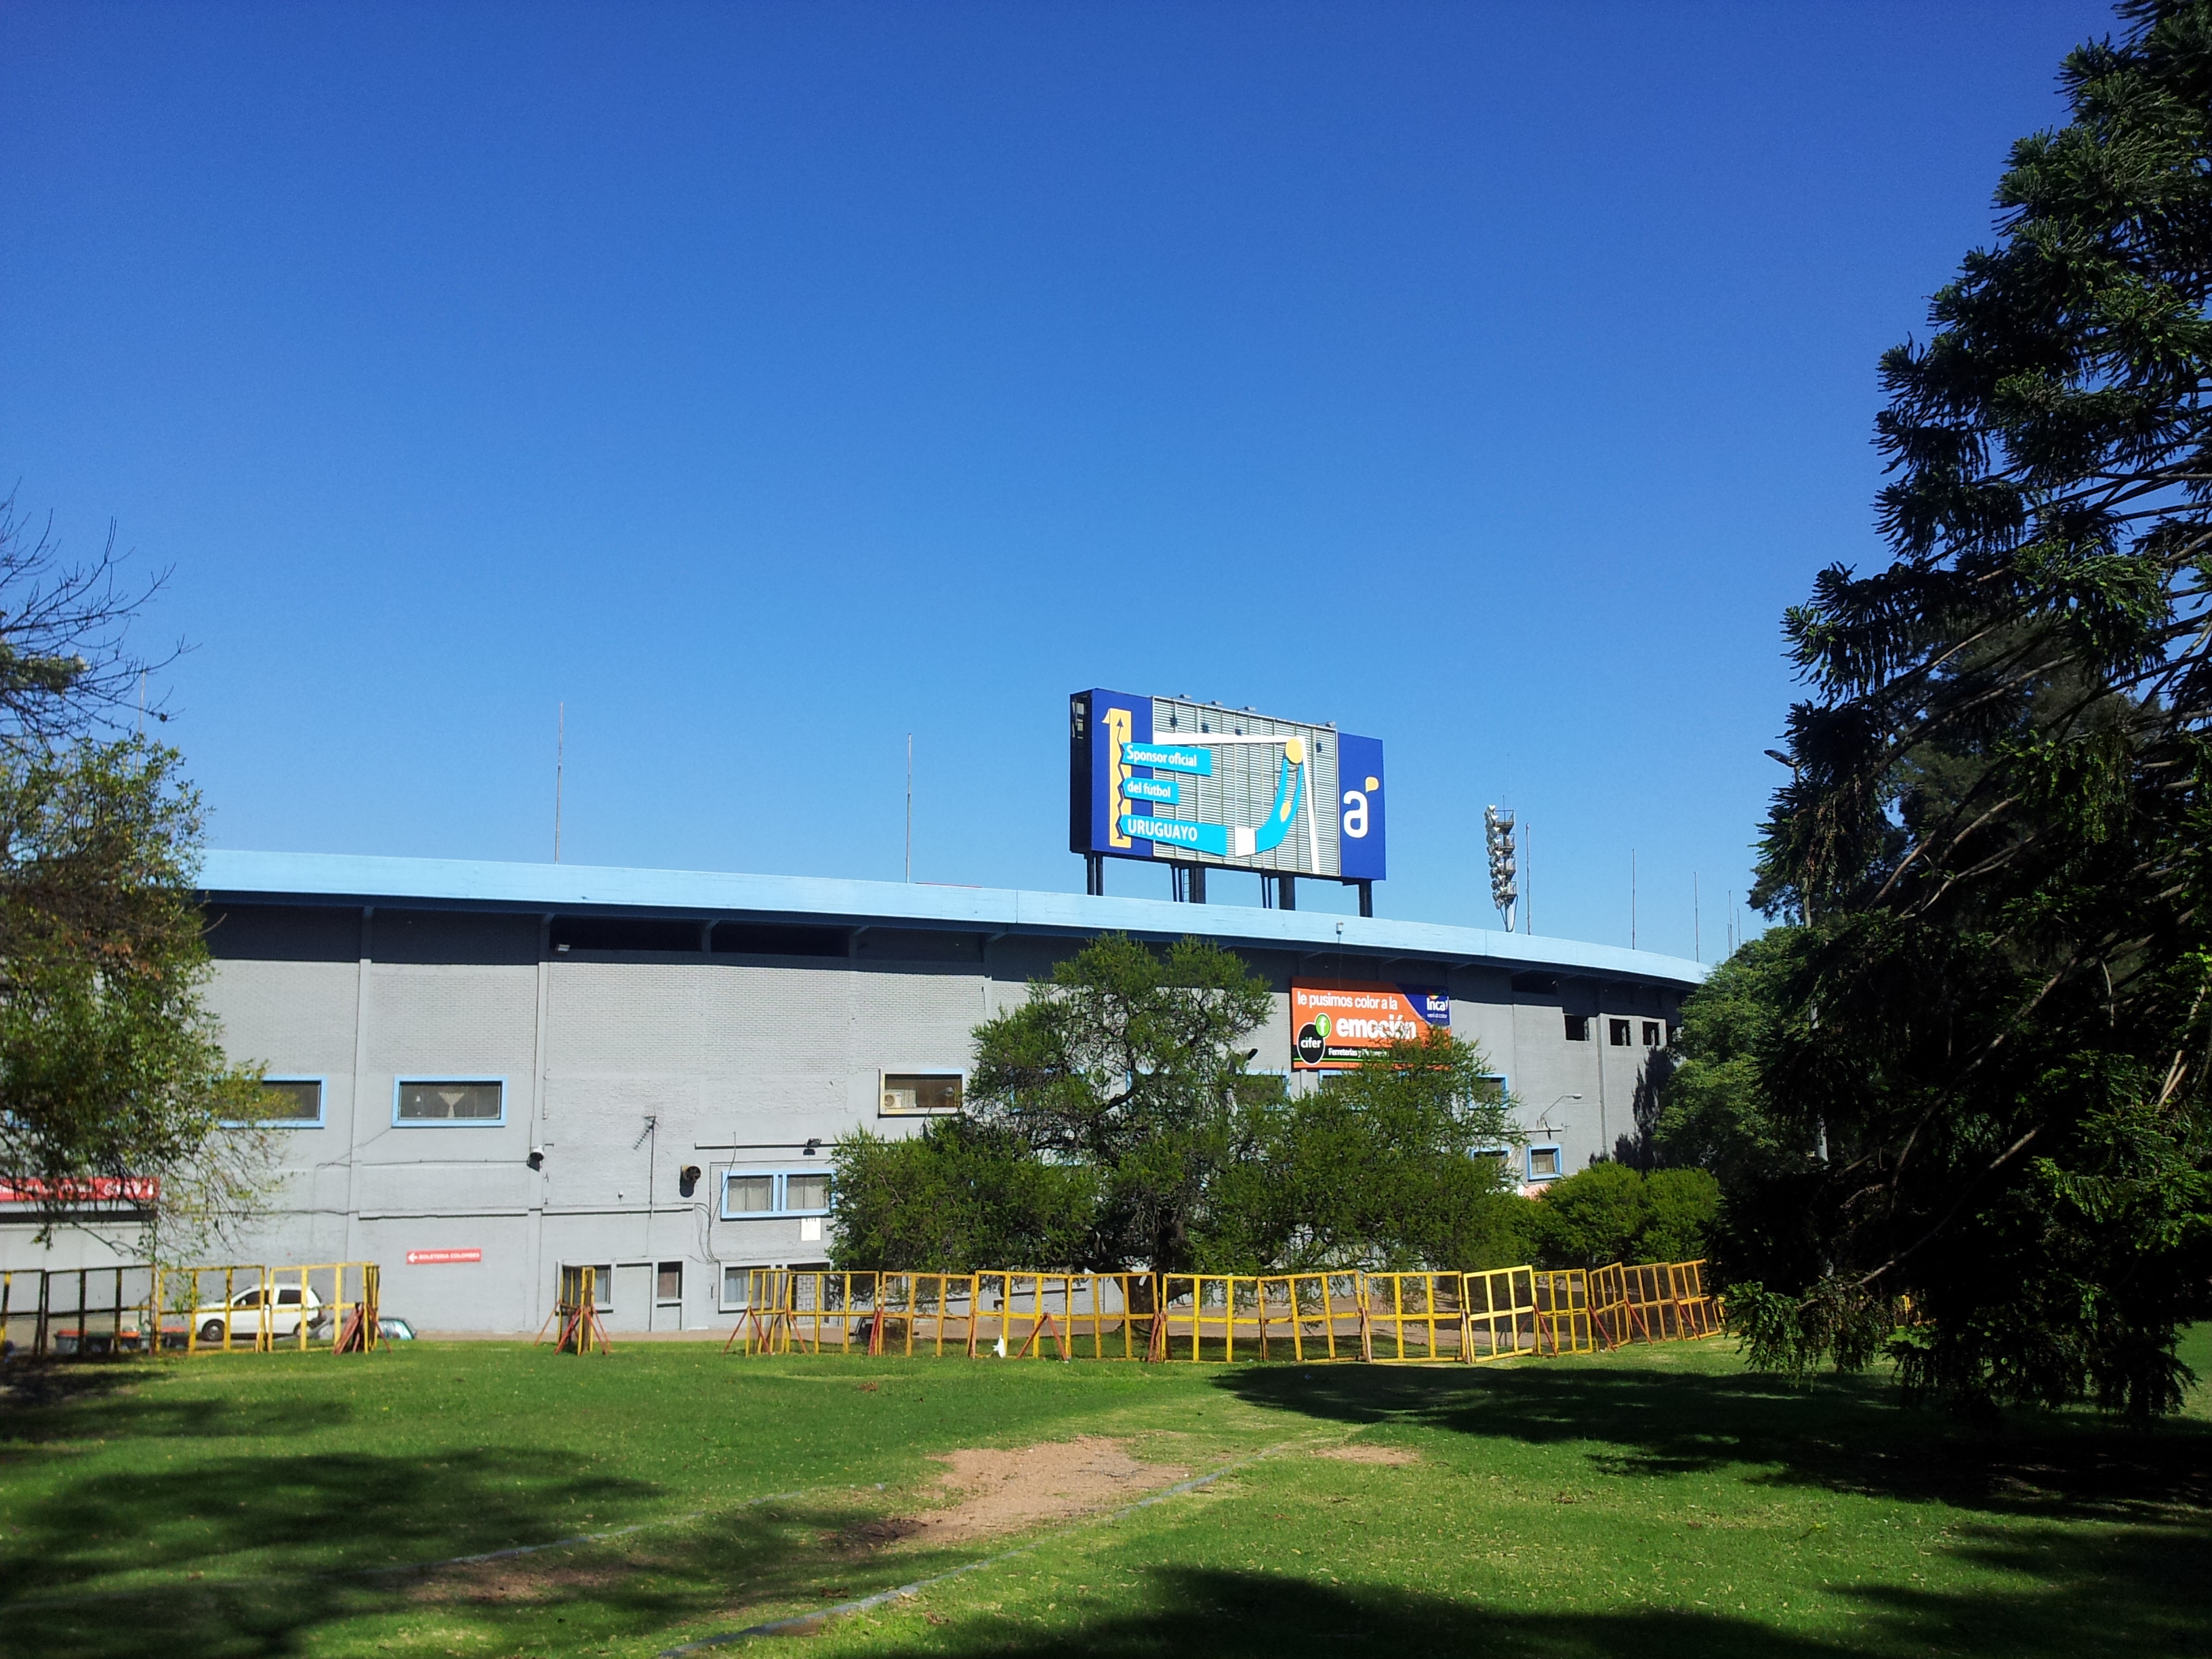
{"x":1312,"y":1042}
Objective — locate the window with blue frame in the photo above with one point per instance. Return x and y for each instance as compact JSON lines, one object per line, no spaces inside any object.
{"x":749,"y":1192}
{"x":1544,"y":1162}
{"x":418,"y":1102}
{"x":287,"y":1103}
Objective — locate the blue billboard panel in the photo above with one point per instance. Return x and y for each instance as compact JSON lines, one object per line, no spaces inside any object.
{"x":1102,"y":726}
{"x":1360,"y":812}
{"x":1199,"y":783}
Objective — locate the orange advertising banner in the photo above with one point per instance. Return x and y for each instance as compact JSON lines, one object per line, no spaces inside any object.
{"x":1334,"y":1022}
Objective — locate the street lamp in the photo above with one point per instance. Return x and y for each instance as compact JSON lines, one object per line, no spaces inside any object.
{"x":1544,"y":1117}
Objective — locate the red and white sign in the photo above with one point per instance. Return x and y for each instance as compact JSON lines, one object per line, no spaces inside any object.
{"x":85,"y":1189}
{"x":434,"y":1258}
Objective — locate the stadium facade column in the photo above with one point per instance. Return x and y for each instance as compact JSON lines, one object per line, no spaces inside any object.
{"x":359,"y":1105}
{"x":535,"y":1241}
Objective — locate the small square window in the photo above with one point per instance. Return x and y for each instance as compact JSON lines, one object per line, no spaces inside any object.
{"x":668,"y":1283}
{"x":1617,"y":1032}
{"x":907,"y":1094}
{"x":1654,"y":1034}
{"x":748,"y":1195}
{"x":288,"y":1103}
{"x":1543,"y":1163}
{"x":802,"y":1193}
{"x":1578,"y":1028}
{"x":480,"y":1100}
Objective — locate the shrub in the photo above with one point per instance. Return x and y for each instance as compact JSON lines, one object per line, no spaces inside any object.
{"x":1592,"y":1218}
{"x":1611,"y":1212}
{"x":1683,"y":1206}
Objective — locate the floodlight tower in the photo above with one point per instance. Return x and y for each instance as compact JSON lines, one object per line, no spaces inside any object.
{"x":1498,"y":834}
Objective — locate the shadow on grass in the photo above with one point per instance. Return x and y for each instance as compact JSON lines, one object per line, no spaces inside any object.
{"x":47,"y":1403}
{"x":785,"y":1556}
{"x":1841,"y":1433}
{"x":287,"y":1513}
{"x":2121,"y":1592}
{"x":272,"y":1548}
{"x":46,"y":1382}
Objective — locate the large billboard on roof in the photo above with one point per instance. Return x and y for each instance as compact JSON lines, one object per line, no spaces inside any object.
{"x":1197,"y":783}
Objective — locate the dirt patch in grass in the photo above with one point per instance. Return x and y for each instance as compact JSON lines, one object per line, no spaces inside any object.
{"x":998,"y":1491}
{"x":1392,"y":1456}
{"x":526,"y":1580}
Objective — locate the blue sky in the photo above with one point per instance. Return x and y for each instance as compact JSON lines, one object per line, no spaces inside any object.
{"x":769,"y":382}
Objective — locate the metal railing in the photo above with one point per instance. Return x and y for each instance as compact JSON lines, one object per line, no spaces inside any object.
{"x":76,"y":1312}
{"x":1380,"y":1317}
{"x":142,"y":1308}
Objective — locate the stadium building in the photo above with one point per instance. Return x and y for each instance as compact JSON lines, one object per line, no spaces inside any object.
{"x":495,"y":1070}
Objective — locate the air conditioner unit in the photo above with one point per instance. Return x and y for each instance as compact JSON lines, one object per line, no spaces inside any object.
{"x":899,"y":1101}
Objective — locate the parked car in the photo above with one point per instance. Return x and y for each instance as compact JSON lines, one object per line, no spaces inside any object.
{"x":243,"y":1316}
{"x":395,"y":1330}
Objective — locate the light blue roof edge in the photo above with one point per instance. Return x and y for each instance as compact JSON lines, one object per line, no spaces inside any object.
{"x":369,"y":878}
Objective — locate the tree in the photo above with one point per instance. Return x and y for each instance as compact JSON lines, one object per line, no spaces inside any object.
{"x":1132,"y":1064}
{"x":958,"y":1196}
{"x":1681,"y":1207}
{"x":1995,"y":1028}
{"x":1718,"y":1115}
{"x":66,"y":670}
{"x":114,"y":1083}
{"x":1388,"y":1166}
{"x":1715,"y":1113}
{"x":1612,"y":1212}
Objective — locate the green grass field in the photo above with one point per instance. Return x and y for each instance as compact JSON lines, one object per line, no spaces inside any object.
{"x":1658,"y":1503}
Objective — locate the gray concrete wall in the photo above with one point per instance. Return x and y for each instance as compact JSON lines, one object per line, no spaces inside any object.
{"x":623,"y":1070}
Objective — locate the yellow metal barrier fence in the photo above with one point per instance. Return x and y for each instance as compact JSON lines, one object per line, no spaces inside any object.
{"x":1653,"y":1301}
{"x":575,"y":1325}
{"x":1388,"y":1318}
{"x":77,"y":1311}
{"x":1012,"y":1314}
{"x":1260,"y":1317}
{"x":255,"y":1308}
